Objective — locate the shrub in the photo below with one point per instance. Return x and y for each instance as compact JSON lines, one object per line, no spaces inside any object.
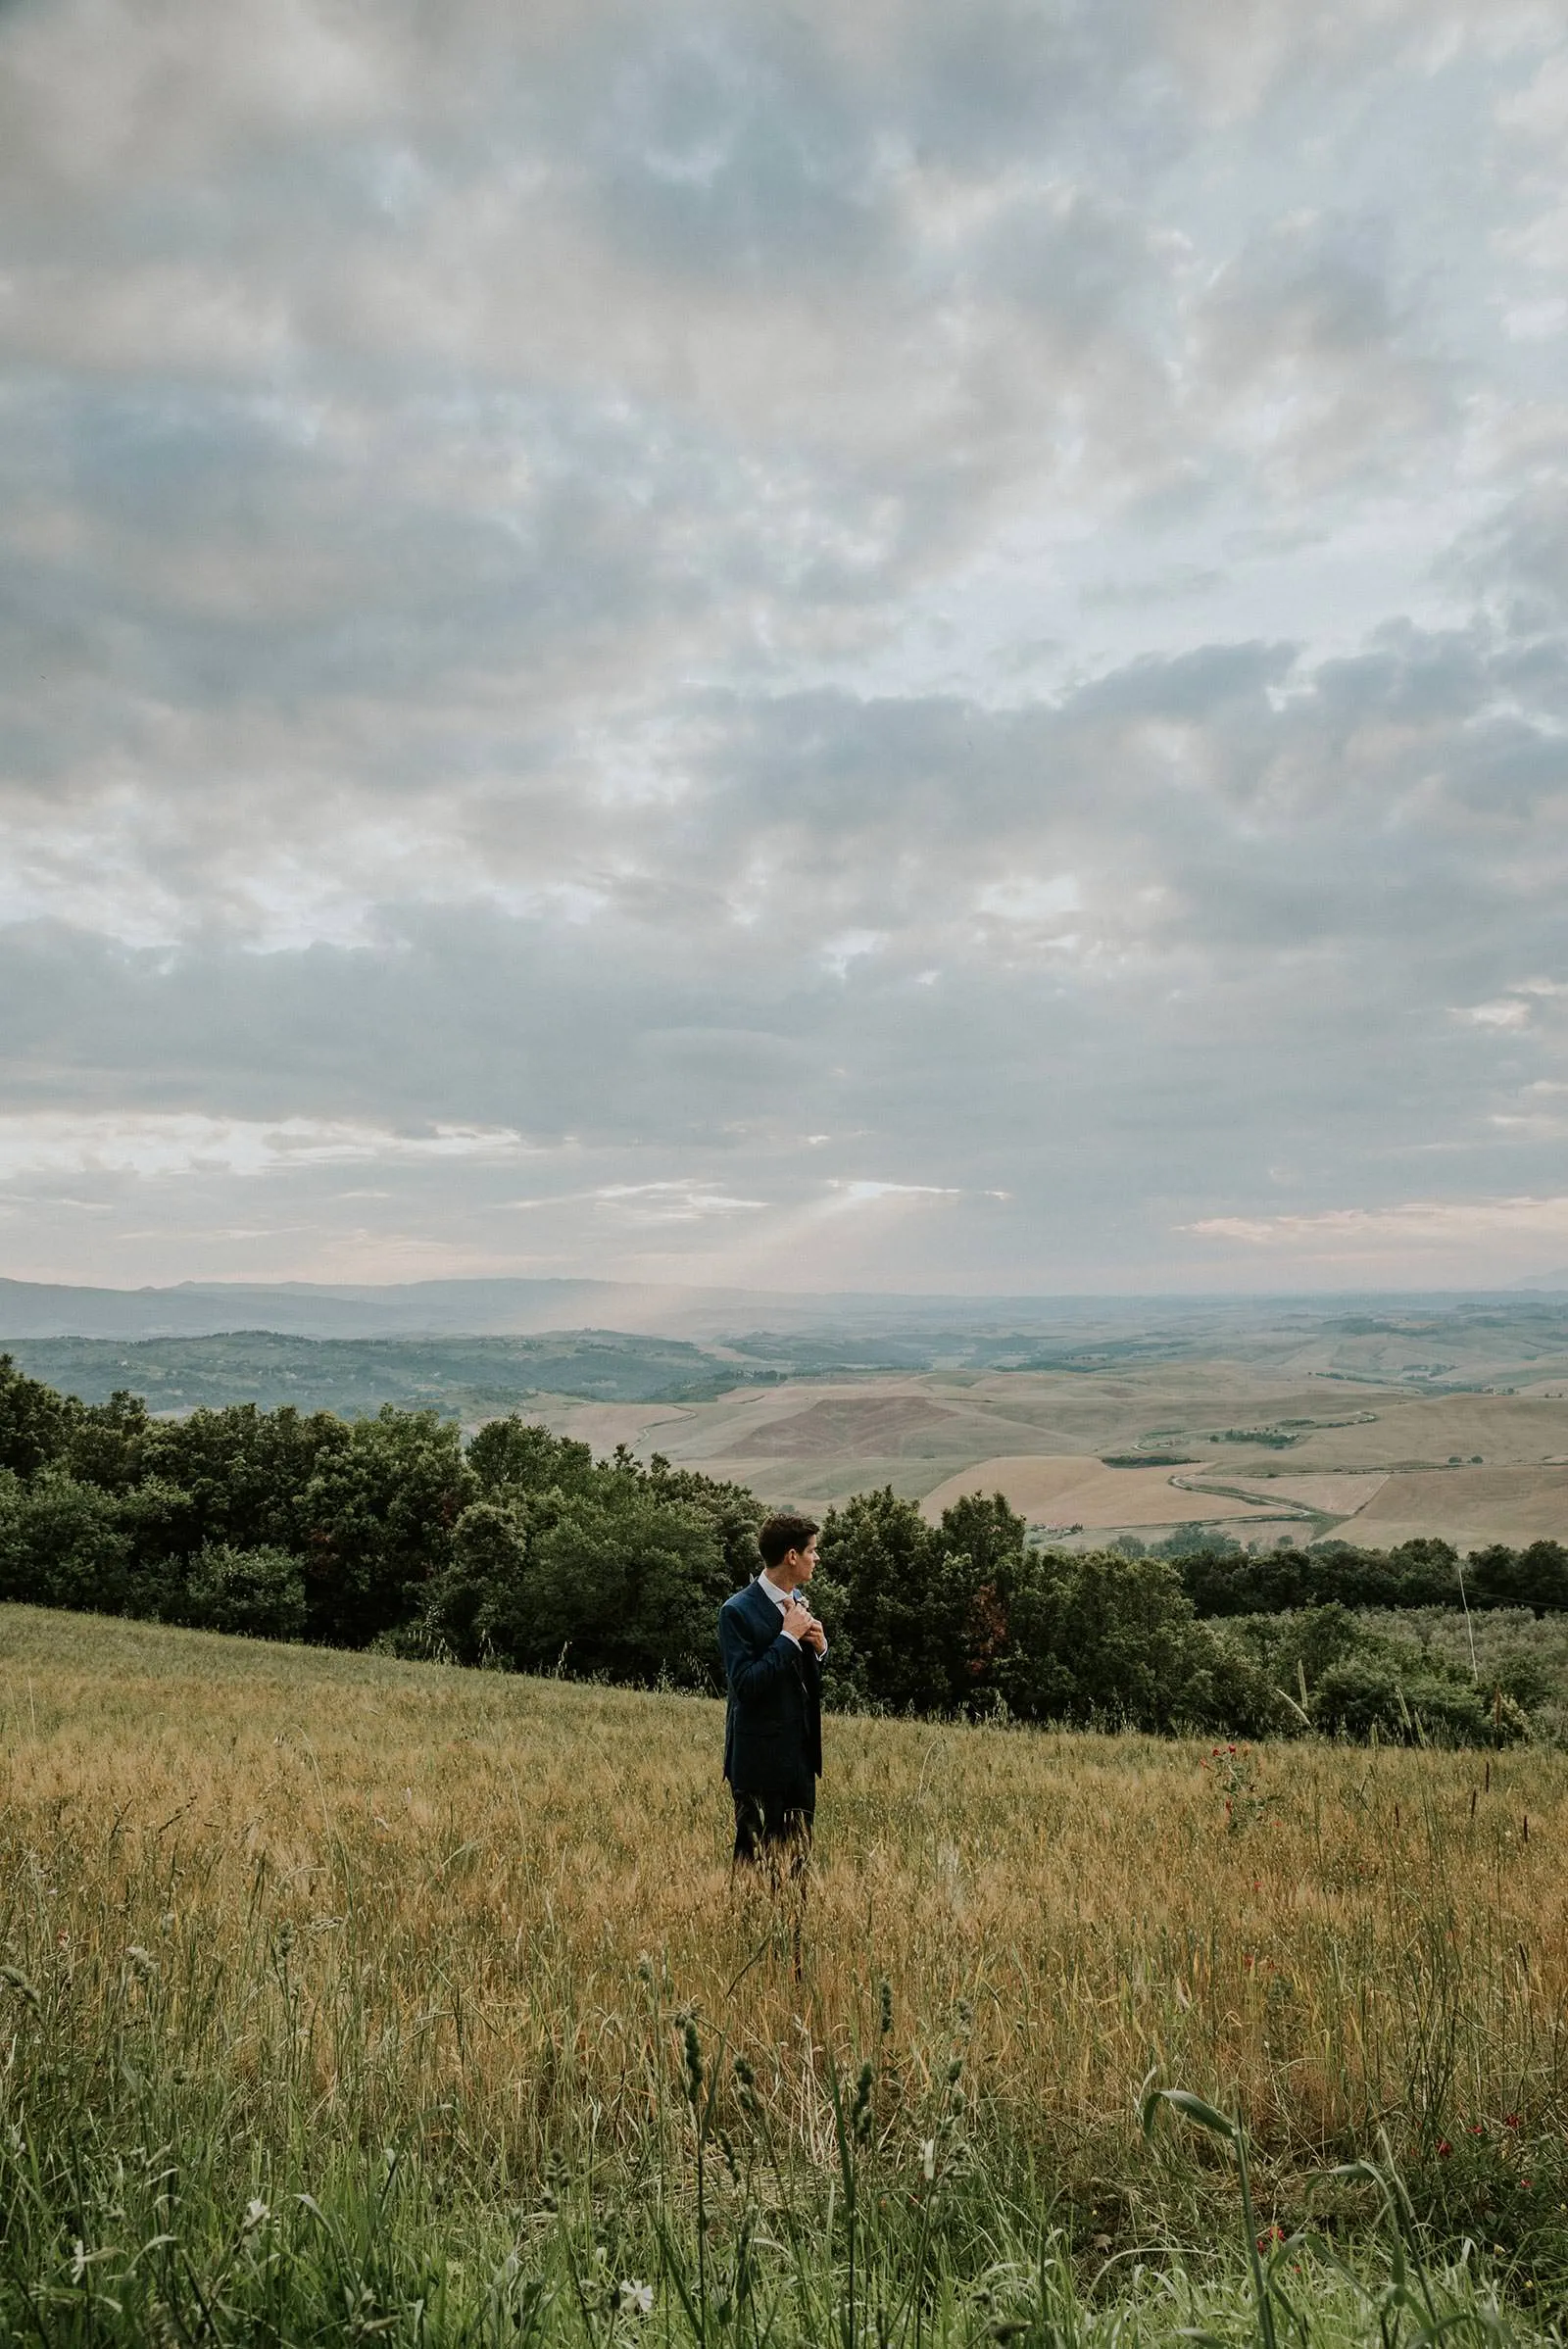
{"x":35,"y":1422}
{"x":618,"y":1580}
{"x":246,"y":1471}
{"x":478,"y":1606}
{"x":1536,"y":1578}
{"x":507,"y":1458}
{"x":378,"y":1514}
{"x":1096,"y":1636}
{"x":625,"y":1584}
{"x":65,"y":1544}
{"x":919,"y":1616}
{"x":258,"y":1592}
{"x":1222,"y":1579}
{"x":1370,"y":1690}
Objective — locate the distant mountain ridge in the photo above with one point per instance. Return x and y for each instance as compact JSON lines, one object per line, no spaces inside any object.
{"x":532,"y":1308}
{"x":497,"y":1308}
{"x":308,"y":1310}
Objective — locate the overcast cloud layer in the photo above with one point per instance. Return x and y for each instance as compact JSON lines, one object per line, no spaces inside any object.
{"x":902,"y":646}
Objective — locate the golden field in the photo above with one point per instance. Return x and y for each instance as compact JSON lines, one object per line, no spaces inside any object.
{"x":1088,"y":1495}
{"x":416,"y":1891}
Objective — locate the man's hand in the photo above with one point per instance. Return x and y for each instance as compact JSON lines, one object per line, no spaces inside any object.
{"x":802,"y":1624}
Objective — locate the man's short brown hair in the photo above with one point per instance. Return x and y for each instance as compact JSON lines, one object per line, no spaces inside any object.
{"x":778,"y":1536}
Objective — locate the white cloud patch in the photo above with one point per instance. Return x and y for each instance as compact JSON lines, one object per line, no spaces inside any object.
{"x":1507,"y":1012}
{"x":1417,"y":1224}
{"x":850,"y":946}
{"x":51,"y":1142}
{"x":672,"y":1202}
{"x":1025,"y":900}
{"x":863,"y":1192}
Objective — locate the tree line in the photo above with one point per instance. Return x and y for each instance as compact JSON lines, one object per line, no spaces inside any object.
{"x":517,"y":1548}
{"x":1221,"y":1578}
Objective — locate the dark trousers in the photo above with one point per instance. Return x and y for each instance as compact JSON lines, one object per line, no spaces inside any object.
{"x":774,"y":1830}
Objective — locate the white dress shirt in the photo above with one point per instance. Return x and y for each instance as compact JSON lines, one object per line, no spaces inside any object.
{"x":781,"y":1599}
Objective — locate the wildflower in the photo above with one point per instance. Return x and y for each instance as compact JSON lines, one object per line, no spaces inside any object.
{"x":257,"y":2214}
{"x":634,"y":2298}
{"x":1443,"y":2149}
{"x":1510,"y":2119}
{"x":1270,"y":2234}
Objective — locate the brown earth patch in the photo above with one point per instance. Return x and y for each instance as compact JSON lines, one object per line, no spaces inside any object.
{"x":867,"y":1424}
{"x":1478,"y":1504}
{"x":1075,"y":1490}
{"x":1335,"y":1496}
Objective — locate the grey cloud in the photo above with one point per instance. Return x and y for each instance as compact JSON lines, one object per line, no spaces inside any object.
{"x":1308,"y":318}
{"x":633,"y":554}
{"x":890,"y":816}
{"x":723,"y":156}
{"x":1519,"y":559}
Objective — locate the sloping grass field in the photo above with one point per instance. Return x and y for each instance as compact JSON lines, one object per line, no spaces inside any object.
{"x":348,"y":1999}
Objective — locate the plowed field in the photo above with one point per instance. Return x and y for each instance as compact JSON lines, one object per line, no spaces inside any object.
{"x":1083,"y":1492}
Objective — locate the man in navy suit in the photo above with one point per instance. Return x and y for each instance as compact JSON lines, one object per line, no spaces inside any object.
{"x":773,"y":1646}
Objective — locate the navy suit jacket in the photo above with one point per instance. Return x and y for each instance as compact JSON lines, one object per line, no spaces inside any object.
{"x":773,"y":1724}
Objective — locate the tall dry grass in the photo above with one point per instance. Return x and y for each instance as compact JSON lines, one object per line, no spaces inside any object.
{"x":279,"y":1909}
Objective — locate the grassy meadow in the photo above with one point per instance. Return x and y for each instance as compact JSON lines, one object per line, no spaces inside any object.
{"x":349,"y":1999}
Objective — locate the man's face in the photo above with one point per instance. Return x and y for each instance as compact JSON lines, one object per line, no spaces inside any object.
{"x":800,"y":1564}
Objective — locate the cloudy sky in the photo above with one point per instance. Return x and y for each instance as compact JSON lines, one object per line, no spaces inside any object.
{"x":894,"y":646}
